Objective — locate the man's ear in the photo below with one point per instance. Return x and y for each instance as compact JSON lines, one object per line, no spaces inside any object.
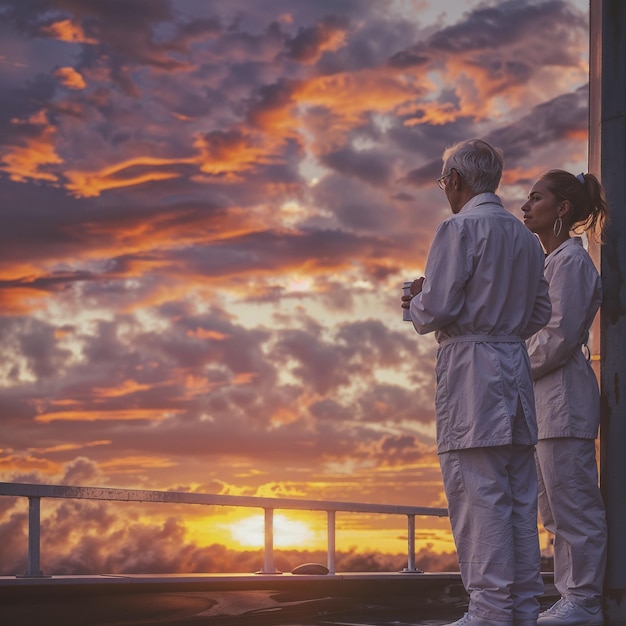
{"x":456,"y":179}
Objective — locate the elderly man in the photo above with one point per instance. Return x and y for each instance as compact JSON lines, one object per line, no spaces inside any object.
{"x":483,"y":294}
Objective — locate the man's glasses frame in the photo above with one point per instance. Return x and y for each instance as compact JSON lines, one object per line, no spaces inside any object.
{"x":441,"y":181}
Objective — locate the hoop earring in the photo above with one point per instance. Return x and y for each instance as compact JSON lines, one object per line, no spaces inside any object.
{"x":557,"y":227}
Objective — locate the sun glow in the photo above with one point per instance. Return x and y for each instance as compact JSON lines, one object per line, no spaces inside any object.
{"x":299,"y":284}
{"x":288,"y":533}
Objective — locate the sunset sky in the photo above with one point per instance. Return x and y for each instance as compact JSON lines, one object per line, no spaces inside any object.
{"x":208,"y":210}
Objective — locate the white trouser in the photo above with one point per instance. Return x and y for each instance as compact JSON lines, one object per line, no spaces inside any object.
{"x":571,"y":508}
{"x":492,"y":502}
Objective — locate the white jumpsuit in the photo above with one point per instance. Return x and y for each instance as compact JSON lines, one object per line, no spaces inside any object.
{"x":568,"y":414}
{"x":484,"y":293}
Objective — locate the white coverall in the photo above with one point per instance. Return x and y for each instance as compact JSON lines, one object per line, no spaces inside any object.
{"x":484,"y":293}
{"x":568,"y":414}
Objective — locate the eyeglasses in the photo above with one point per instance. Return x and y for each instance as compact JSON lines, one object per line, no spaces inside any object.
{"x":441,"y":181}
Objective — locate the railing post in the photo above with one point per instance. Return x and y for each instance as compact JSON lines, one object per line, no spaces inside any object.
{"x":34,"y":537}
{"x":411,"y":567}
{"x":268,"y":554}
{"x":330,"y":550}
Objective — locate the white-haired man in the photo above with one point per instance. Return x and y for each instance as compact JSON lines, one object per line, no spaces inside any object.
{"x":483,"y":294}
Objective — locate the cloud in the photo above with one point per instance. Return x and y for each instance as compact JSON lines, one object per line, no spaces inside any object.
{"x":523,"y":33}
{"x":70,"y":78}
{"x":310,"y":43}
{"x":367,"y":166}
{"x":207,"y":212}
{"x":562,"y":118}
{"x":136,"y":171}
{"x":33,"y":150}
{"x":66,"y":30}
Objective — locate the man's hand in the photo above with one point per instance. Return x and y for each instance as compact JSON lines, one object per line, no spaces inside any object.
{"x":416,"y":288}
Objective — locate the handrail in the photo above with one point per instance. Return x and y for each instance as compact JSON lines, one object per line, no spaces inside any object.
{"x":34,"y":493}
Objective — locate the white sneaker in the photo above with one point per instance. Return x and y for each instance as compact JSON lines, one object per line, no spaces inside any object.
{"x":473,"y":620}
{"x":566,"y":613}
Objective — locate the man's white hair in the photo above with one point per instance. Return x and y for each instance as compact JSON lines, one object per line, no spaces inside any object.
{"x":479,"y":164}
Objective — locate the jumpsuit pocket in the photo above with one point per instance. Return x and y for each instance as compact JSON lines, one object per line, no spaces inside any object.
{"x":452,"y":475}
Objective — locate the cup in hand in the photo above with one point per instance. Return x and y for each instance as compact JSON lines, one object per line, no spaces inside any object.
{"x":406,"y":291}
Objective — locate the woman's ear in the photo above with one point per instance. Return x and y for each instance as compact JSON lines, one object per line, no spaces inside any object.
{"x":564,"y":208}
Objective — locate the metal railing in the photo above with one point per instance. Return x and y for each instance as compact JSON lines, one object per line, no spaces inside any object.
{"x":35,"y":493}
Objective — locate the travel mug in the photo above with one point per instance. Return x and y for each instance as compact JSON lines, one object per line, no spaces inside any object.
{"x":406,"y":291}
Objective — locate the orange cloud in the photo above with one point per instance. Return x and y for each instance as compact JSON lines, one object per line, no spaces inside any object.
{"x":245,"y":378}
{"x":23,"y":268}
{"x":333,"y":40}
{"x":61,"y":333}
{"x":88,"y":184}
{"x":88,"y":415}
{"x":165,"y":231}
{"x":224,"y":154}
{"x":578,"y":134}
{"x":136,"y":463}
{"x":432,"y":113}
{"x":126,"y":388}
{"x":512,"y":176}
{"x":203,"y":333}
{"x":63,"y":402}
{"x":35,"y":151}
{"x":66,"y":30}
{"x":348,"y":98}
{"x":485,"y":93}
{"x":197,"y":384}
{"x":28,"y":463}
{"x":231,"y":153}
{"x":284,"y":415}
{"x":70,"y":446}
{"x":70,"y":78}
{"x":351,"y":95}
{"x":311,"y":43}
{"x":21,"y":301}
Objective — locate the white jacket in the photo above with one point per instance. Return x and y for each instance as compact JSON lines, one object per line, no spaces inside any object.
{"x":566,"y":388}
{"x":483,"y":293}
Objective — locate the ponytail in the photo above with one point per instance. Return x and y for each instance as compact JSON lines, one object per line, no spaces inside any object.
{"x":585,"y":194}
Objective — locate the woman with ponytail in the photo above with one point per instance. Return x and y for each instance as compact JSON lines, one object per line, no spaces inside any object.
{"x":560,"y":208}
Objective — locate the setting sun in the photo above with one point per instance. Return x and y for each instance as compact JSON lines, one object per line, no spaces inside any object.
{"x":288,"y":533}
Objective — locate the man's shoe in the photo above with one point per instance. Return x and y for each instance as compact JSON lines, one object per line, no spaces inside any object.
{"x":566,"y":613}
{"x":473,"y":620}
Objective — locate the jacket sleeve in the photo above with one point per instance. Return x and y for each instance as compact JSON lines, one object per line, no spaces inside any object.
{"x":542,"y":309}
{"x":570,"y":292}
{"x":448,"y":268}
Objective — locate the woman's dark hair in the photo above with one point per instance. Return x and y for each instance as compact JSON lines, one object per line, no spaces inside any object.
{"x":590,"y":211}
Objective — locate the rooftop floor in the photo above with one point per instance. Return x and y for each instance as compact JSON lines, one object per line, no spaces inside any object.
{"x":343,"y":599}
